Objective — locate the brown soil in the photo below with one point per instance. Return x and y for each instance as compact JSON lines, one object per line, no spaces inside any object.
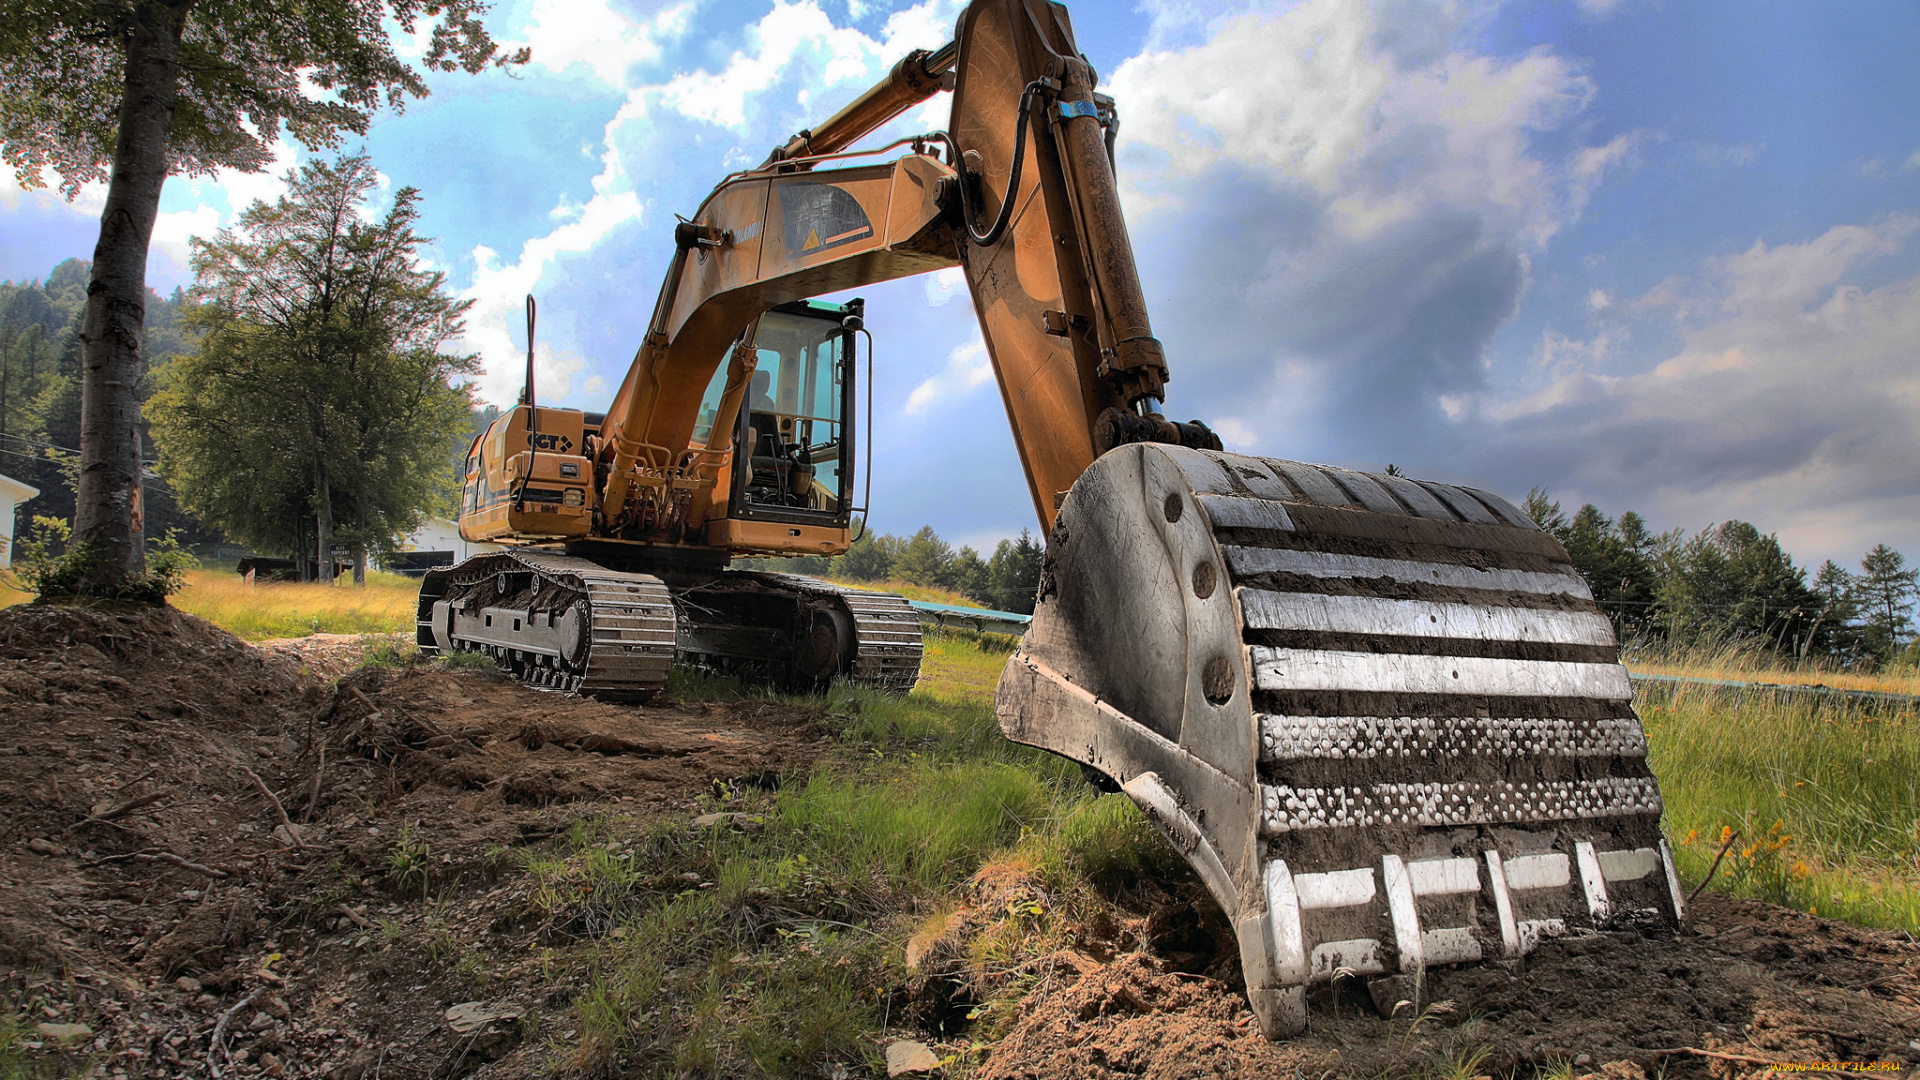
{"x":1754,"y":983}
{"x":149,"y":889}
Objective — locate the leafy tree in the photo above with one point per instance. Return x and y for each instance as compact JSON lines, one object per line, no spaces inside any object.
{"x":870,"y":558}
{"x":129,"y":91}
{"x":1886,"y":588}
{"x":318,"y":390}
{"x":924,"y":559}
{"x":1013,"y":574}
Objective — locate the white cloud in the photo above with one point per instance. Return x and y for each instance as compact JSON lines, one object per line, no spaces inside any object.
{"x":1794,"y":401}
{"x":967,"y":368}
{"x":943,"y":285}
{"x":1912,"y":162}
{"x":593,"y":34}
{"x":1599,"y":300}
{"x":1318,"y":95}
{"x":496,"y":324}
{"x":1773,"y":279}
{"x":89,"y":201}
{"x":793,"y":42}
{"x":204,"y":205}
{"x":1236,"y":434}
{"x":1337,"y":207}
{"x":800,"y":33}
{"x":1599,"y":9}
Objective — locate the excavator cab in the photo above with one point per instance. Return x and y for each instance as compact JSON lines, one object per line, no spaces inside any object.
{"x":793,"y":441}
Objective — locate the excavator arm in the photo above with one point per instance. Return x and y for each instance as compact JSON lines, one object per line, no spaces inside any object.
{"x":1025,"y":202}
{"x":1382,"y":718}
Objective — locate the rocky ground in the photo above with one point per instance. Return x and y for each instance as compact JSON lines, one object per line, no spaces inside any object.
{"x":223,"y":860}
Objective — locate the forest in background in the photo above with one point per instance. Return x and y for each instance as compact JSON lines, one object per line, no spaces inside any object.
{"x":40,"y":394}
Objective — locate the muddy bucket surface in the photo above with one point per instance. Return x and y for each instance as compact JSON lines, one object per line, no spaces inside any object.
{"x":1382,"y":718}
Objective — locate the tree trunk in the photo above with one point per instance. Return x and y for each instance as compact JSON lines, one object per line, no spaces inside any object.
{"x":360,"y":542}
{"x":300,"y":551}
{"x":323,"y":523}
{"x":107,"y":504}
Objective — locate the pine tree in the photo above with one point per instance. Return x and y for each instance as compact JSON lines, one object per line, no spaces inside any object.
{"x":1013,"y":574}
{"x":1839,"y":606}
{"x":967,"y":575}
{"x":870,"y":558}
{"x":1886,"y":589}
{"x":923,"y":559}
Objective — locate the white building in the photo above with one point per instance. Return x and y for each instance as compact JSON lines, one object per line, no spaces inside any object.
{"x":12,"y":494}
{"x":441,"y":535}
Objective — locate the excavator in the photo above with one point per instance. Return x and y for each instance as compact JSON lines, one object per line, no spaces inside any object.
{"x":1382,"y":718}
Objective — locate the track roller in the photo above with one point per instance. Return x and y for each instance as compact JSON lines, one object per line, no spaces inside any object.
{"x":556,"y":622}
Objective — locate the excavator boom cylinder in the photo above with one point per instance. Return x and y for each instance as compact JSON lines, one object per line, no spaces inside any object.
{"x":917,"y":77}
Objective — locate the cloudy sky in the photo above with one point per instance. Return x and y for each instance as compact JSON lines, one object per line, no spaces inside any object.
{"x":1659,"y":256}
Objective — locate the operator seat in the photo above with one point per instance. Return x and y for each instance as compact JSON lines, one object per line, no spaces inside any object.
{"x":778,"y":478}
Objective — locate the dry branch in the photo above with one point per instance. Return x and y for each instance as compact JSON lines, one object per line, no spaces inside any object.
{"x":293,"y":831}
{"x":313,"y":789}
{"x":159,"y":856}
{"x":218,"y":1044}
{"x":117,"y":811}
{"x":1724,"y":848}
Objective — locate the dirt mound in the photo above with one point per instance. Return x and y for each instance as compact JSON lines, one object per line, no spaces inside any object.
{"x":118,"y":720}
{"x":1757,"y":984}
{"x":477,"y":730}
{"x":194,"y":830}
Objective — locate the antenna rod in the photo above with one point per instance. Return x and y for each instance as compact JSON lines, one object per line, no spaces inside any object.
{"x":533,"y":414}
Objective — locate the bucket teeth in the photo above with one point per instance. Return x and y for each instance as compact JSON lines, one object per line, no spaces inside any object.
{"x":1381,"y":717}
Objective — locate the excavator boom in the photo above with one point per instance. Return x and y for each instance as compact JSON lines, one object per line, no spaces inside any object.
{"x":1382,"y":718}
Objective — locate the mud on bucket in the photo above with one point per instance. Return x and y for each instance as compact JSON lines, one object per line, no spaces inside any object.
{"x":1382,"y":718}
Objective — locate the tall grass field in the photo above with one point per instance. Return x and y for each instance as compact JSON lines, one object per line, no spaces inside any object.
{"x":1824,"y":798}
{"x":285,"y":609}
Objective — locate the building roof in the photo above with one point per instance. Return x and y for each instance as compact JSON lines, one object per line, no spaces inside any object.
{"x":15,"y":490}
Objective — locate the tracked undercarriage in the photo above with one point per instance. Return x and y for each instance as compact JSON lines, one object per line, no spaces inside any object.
{"x":1383,"y":719}
{"x":570,"y":624}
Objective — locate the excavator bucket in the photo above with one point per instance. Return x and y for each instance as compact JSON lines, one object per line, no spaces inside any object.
{"x":1382,"y":718}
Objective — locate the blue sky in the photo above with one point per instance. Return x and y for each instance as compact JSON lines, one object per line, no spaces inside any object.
{"x":1659,"y":256}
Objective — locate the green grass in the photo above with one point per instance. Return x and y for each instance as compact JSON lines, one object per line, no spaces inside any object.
{"x":772,"y":944}
{"x":1826,"y":798}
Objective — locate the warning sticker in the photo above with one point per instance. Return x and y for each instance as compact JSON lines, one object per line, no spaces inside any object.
{"x":819,"y":217}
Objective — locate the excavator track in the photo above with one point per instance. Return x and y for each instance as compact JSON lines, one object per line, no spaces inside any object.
{"x":557,"y":622}
{"x":568,"y":624}
{"x":800,"y":631}
{"x":886,"y":631}
{"x":1382,"y":718}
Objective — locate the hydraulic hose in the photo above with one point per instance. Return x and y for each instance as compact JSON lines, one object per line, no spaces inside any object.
{"x":992,"y":235}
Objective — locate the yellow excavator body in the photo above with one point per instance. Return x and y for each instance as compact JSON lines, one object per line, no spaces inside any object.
{"x":1381,"y":717}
